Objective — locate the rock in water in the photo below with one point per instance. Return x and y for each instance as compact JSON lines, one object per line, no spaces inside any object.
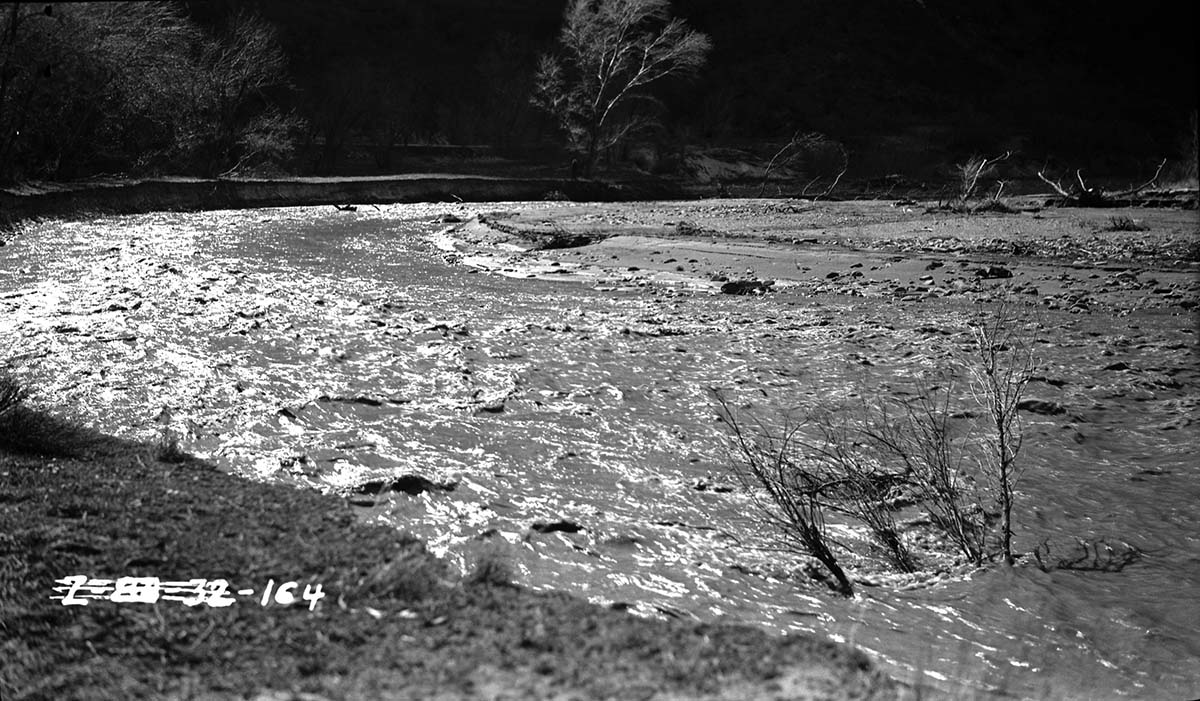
{"x":413,"y":485}
{"x":992,"y":272}
{"x":746,"y":287}
{"x":556,"y":527}
{"x":1041,"y":406}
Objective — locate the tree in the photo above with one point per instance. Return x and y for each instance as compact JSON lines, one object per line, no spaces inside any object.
{"x":232,"y":117}
{"x":611,"y":50}
{"x":104,"y":87}
{"x":1003,"y":365}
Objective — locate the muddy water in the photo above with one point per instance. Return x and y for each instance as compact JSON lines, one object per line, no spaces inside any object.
{"x":334,"y":349}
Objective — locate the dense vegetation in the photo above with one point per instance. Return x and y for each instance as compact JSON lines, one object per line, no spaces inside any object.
{"x":136,"y":86}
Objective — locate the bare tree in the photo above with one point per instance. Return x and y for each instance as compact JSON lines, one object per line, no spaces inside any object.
{"x":1002,"y":366}
{"x":611,"y":50}
{"x":810,"y":144}
{"x":87,"y":87}
{"x":976,"y":167}
{"x":236,"y":121}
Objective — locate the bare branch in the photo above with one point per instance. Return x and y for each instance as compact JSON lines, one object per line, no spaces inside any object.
{"x":1057,"y":187}
{"x":1143,"y":186}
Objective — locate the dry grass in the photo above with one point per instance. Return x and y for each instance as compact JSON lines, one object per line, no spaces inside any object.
{"x":1123,"y":223}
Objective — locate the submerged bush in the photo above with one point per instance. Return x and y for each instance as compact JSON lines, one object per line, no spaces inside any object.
{"x":856,"y":460}
{"x":773,"y":462}
{"x":12,"y":393}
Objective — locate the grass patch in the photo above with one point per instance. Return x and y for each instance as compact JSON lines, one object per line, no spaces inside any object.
{"x":491,"y":567}
{"x":1123,"y":223}
{"x":168,"y":449}
{"x":29,"y":430}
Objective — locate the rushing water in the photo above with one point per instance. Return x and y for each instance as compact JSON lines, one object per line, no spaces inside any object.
{"x":330,"y":348}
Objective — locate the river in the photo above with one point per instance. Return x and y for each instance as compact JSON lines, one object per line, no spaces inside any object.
{"x":333,"y":349}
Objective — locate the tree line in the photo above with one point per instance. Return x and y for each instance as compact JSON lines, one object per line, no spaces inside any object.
{"x":119,"y":87}
{"x":91,"y":88}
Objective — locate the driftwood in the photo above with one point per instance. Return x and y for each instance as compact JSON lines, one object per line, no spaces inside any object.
{"x":797,"y":145}
{"x":1084,"y":196}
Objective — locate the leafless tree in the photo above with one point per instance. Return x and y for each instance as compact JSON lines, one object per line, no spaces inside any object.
{"x":1001,"y":366}
{"x":611,"y":50}
{"x":973,"y":170}
{"x":132,"y":85}
{"x":806,"y":144}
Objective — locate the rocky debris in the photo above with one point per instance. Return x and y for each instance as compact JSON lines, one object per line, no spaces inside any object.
{"x":556,"y":527}
{"x":992,"y":272}
{"x":1041,"y":406}
{"x":413,"y":485}
{"x":1053,"y":382}
{"x":686,"y":228}
{"x":707,"y":485}
{"x":746,"y":287}
{"x":364,"y":399}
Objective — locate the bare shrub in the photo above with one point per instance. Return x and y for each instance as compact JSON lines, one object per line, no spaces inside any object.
{"x":857,"y":483}
{"x":1000,"y":366}
{"x":1123,"y":223}
{"x":767,"y":459}
{"x":856,"y":460}
{"x":972,"y":171}
{"x":918,"y":434}
{"x":492,"y":568}
{"x":12,"y":393}
{"x":609,"y":52}
{"x":816,"y":153}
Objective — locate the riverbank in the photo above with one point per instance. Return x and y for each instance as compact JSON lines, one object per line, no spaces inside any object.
{"x":133,"y":196}
{"x":391,"y":622}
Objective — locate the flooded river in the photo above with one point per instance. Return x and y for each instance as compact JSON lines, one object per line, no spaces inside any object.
{"x":571,"y":427}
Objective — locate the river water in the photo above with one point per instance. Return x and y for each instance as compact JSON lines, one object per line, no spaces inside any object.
{"x":333,"y":349}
